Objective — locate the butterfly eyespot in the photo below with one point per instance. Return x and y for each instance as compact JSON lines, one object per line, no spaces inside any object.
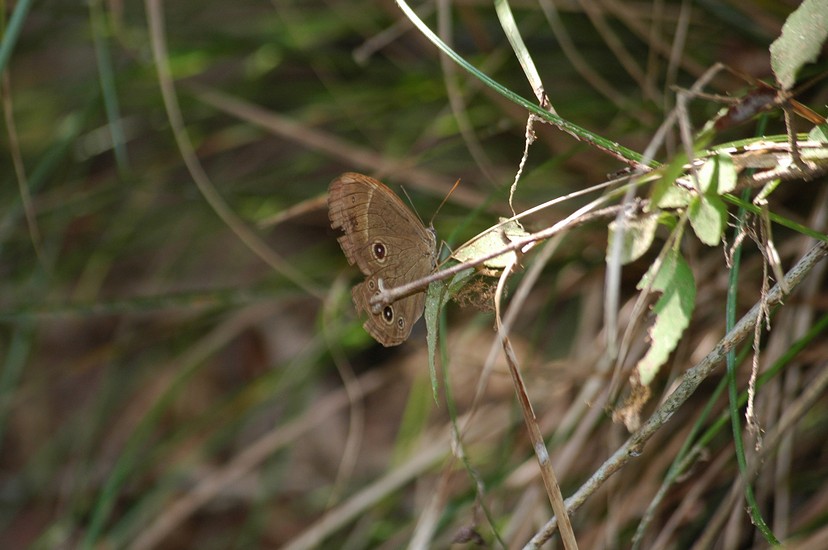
{"x":401,"y":323}
{"x":379,"y":251}
{"x":388,"y":314}
{"x":372,"y":285}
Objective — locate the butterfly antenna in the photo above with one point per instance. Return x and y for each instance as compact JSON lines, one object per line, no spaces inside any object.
{"x":411,"y":204}
{"x":456,"y":183}
{"x":431,"y":221}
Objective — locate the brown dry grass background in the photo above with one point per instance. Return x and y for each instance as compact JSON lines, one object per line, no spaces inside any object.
{"x":184,"y":370}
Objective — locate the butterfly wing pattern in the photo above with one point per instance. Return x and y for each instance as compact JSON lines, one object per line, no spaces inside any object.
{"x":389,"y":244}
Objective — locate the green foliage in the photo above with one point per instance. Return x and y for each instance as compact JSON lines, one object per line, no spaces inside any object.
{"x":639,"y":234}
{"x":673,"y":310}
{"x":707,"y":217}
{"x":819,"y":133}
{"x":492,"y":241}
{"x":665,"y":193}
{"x":707,"y":212}
{"x":801,"y":41}
{"x":437,"y":295}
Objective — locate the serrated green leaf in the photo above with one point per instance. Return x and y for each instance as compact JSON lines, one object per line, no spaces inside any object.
{"x":672,"y":312}
{"x":801,"y":40}
{"x":638,"y":237}
{"x":707,"y":217}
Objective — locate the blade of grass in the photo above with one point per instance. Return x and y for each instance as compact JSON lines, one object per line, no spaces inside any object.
{"x":693,"y":446}
{"x":618,"y":151}
{"x":106,"y":76}
{"x":12,"y":31}
{"x":252,"y":240}
{"x":507,"y":21}
{"x":730,"y":322}
{"x":185,"y":367}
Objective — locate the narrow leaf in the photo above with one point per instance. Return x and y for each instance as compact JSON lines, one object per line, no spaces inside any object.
{"x":819,"y":133}
{"x":507,"y":21}
{"x":437,"y":295}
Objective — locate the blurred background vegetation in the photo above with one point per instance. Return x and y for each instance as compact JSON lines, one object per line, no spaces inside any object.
{"x":182,"y":366}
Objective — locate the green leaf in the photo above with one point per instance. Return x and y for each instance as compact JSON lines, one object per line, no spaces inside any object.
{"x":666,"y":184}
{"x":708,"y":175}
{"x":491,"y":242}
{"x":675,"y":197}
{"x":707,"y":217}
{"x":437,"y":295}
{"x":819,"y":133}
{"x":801,"y":40}
{"x":459,"y":281}
{"x":708,"y":214}
{"x":672,"y":312}
{"x":727,"y":174}
{"x":507,"y":21}
{"x":717,"y":175}
{"x":638,"y":237}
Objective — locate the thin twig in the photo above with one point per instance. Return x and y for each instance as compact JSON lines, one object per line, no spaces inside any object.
{"x":550,"y":480}
{"x":389,"y":295}
{"x":793,"y":412}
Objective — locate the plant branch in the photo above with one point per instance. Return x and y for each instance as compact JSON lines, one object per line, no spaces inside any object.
{"x":691,"y":380}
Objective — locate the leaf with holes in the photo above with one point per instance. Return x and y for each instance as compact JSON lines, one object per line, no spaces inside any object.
{"x":672,"y":312}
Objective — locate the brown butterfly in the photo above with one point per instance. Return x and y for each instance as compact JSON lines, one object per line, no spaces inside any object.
{"x":389,"y":244}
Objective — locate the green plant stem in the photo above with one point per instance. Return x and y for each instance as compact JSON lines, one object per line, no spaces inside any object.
{"x":744,"y":203}
{"x":730,"y":321}
{"x":106,"y":75}
{"x":12,"y":32}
